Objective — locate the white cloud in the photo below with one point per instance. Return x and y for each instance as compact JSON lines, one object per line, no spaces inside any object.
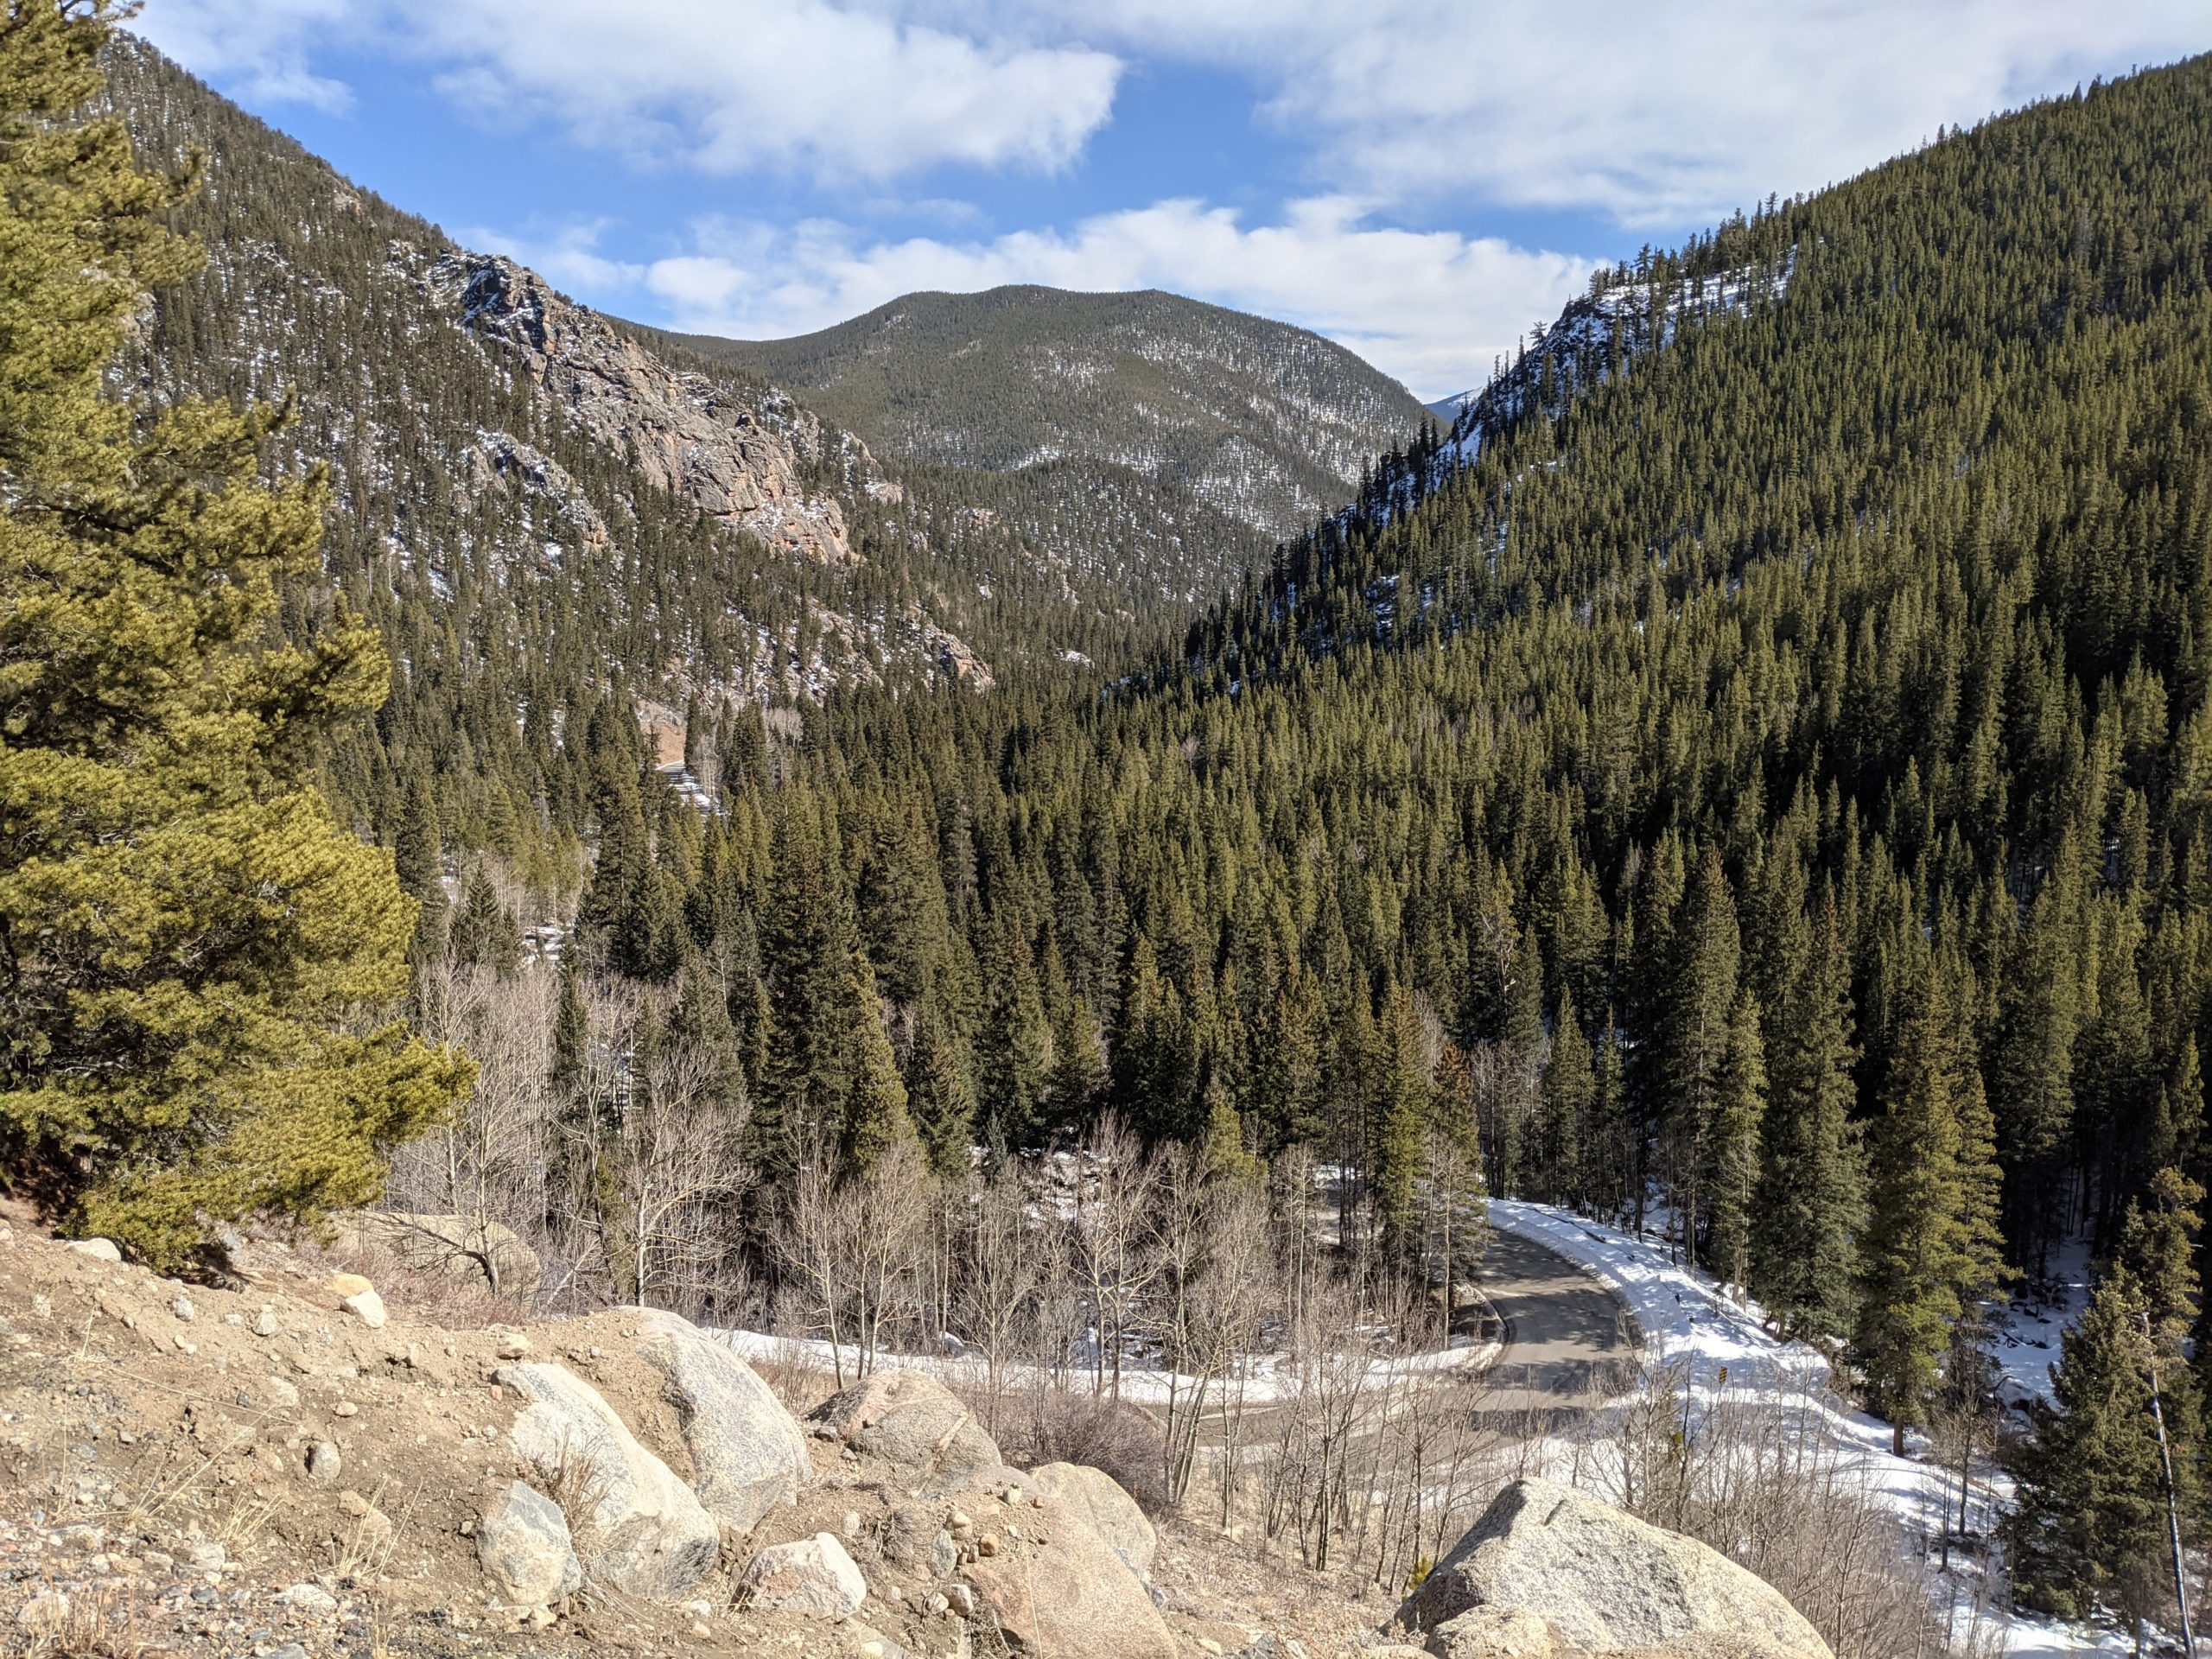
{"x":259,"y":48}
{"x":1431,"y":308}
{"x":1650,"y":114}
{"x":835,"y":92}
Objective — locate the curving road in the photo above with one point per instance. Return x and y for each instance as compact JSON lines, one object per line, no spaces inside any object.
{"x":1569,"y":1343}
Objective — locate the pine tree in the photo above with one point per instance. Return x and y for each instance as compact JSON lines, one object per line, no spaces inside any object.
{"x":940,"y":1098}
{"x":419,"y":863}
{"x":875,"y":1117}
{"x":1911,"y":1258}
{"x":1811,"y":1190}
{"x":483,"y":933}
{"x":1740,"y":1109}
{"x":1013,"y":1048}
{"x":187,"y":938}
{"x":1402,"y":1109}
{"x":1569,"y":1088}
{"x":1705,"y":952}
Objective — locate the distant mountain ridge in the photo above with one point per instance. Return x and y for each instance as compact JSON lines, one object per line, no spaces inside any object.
{"x":1264,"y":423}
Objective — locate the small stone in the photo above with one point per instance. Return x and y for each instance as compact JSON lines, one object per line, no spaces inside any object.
{"x":961,"y":1523}
{"x":323,"y":1462}
{"x":352,"y":1503}
{"x":987,"y":1545}
{"x":700,"y":1629}
{"x":264,"y":1323}
{"x":100,"y":1249}
{"x":368,"y":1307}
{"x":1207,"y":1644}
{"x":894,"y":1593}
{"x":937,"y":1603}
{"x":48,"y":1609}
{"x":852,"y":1523}
{"x":280,"y":1391}
{"x":208,"y":1558}
{"x":313,"y":1597}
{"x":513,"y":1346}
{"x":961,"y":1599}
{"x":289,"y":1651}
{"x":345,"y":1408}
{"x":184,"y":1310}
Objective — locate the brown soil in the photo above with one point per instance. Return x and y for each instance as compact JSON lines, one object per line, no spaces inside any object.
{"x":155,"y":1448}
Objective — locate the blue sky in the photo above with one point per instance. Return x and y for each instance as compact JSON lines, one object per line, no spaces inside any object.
{"x":1420,"y":178}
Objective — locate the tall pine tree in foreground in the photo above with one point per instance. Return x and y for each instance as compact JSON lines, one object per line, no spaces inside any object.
{"x":1912,"y":1260}
{"x":193,"y":952}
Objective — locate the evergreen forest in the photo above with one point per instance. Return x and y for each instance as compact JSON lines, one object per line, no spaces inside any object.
{"x":1749,"y":779}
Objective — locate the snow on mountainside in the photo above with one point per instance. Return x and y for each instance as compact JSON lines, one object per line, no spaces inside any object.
{"x":1601,"y":335}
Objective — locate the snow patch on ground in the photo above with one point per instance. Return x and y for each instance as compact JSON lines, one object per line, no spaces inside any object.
{"x":2027,"y":1344}
{"x":1687,"y":1321}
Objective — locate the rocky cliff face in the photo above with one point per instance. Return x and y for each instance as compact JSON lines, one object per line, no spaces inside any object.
{"x":684,"y":434}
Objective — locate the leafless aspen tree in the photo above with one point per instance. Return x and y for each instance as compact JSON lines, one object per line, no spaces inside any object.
{"x":486,"y":1164}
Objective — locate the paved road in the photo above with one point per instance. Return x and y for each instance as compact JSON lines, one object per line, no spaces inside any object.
{"x":1568,"y":1341}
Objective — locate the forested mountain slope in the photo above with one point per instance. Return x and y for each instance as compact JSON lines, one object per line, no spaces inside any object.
{"x":1761,"y":757}
{"x":1775,"y":766}
{"x":530,"y":501}
{"x":1227,"y":415}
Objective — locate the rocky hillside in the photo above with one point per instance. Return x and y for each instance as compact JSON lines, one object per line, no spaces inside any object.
{"x":1264,"y":424}
{"x":285,"y":1464}
{"x":513,"y":470}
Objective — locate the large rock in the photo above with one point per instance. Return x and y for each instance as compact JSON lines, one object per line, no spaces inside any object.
{"x":813,"y":1577}
{"x":1071,"y":1594}
{"x":747,"y":1452}
{"x":637,"y":1528}
{"x":1491,"y":1633}
{"x":454,"y":1247}
{"x":1099,"y":1499}
{"x":911,"y":1421}
{"x":523,"y":1539}
{"x":1603,"y":1580}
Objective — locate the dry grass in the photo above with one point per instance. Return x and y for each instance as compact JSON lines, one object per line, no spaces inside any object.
{"x":449,"y":1300}
{"x":96,"y":1624}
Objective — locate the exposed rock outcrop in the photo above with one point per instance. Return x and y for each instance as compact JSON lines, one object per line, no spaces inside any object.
{"x":682,"y":433}
{"x":1602,"y":1580}
{"x":1111,"y":1512}
{"x":637,"y":1528}
{"x":910,"y":1420}
{"x":747,"y":1452}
